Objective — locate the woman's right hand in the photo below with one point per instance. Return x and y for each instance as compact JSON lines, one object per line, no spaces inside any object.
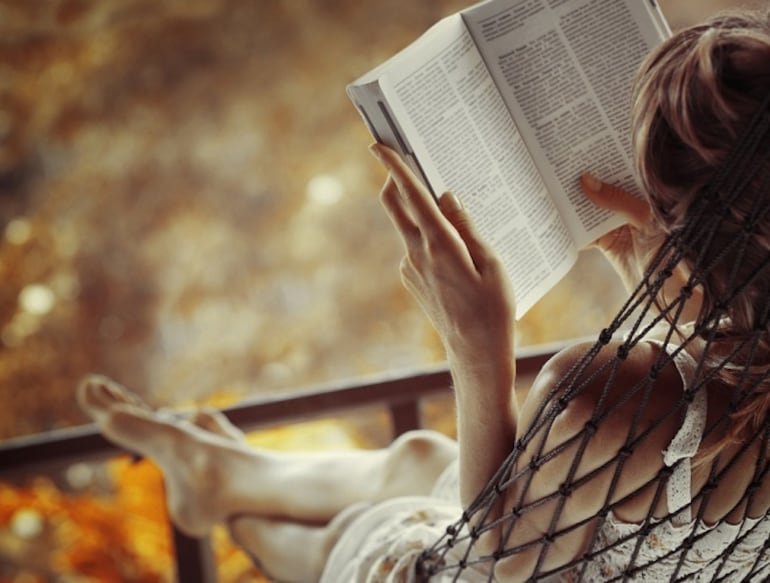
{"x":452,"y":272}
{"x":624,"y":247}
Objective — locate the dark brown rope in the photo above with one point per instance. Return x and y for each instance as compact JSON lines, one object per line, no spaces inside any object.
{"x":699,"y":232}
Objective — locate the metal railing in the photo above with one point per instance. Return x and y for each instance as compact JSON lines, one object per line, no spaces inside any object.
{"x":400,"y":393}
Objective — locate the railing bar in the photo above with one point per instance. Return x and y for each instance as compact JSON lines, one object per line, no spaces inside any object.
{"x":311,"y":403}
{"x":393,"y":389}
{"x":63,"y":445}
{"x":405,"y":417}
{"x":195,"y":561}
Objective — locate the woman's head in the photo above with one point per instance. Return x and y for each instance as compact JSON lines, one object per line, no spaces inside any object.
{"x":694,"y":99}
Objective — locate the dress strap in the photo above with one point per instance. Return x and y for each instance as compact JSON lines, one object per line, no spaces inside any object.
{"x":685,"y":443}
{"x":681,"y":449}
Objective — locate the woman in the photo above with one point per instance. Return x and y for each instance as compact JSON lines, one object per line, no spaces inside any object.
{"x":634,"y":457}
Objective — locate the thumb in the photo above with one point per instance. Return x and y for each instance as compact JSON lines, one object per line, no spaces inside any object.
{"x":455,"y":213}
{"x":613,"y":198}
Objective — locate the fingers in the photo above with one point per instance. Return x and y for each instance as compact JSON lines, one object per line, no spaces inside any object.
{"x":453,"y":210}
{"x":421,"y":203}
{"x":615,"y":199}
{"x":399,"y":216}
{"x":424,"y":225}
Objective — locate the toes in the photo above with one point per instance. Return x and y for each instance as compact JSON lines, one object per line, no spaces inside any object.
{"x":96,"y":394}
{"x":215,"y":422}
{"x":93,"y":395}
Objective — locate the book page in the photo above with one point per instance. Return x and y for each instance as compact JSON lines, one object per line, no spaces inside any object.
{"x":462,"y":133}
{"x":565,"y":70}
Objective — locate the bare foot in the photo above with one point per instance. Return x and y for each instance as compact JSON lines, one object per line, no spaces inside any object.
{"x":190,"y":453}
{"x":97,"y":394}
{"x":215,"y":422}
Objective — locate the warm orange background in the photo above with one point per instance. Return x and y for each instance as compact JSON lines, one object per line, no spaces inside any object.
{"x":188,"y":206}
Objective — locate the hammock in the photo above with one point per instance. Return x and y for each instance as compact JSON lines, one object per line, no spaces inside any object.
{"x":745,"y":365}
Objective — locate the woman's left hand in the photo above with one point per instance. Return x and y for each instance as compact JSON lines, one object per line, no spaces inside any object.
{"x":457,"y":278}
{"x":625,"y":247}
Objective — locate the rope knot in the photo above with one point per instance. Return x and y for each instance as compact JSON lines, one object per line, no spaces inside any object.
{"x":534,"y":464}
{"x":451,"y":530}
{"x":718,"y":206}
{"x":605,"y":336}
{"x":591,"y":427}
{"x":625,"y":452}
{"x":623,"y":352}
{"x":566,"y":490}
{"x":750,"y":227}
{"x":429,"y":571}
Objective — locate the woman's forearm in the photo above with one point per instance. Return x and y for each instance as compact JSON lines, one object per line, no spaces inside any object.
{"x":464,"y":289}
{"x":486,"y":419}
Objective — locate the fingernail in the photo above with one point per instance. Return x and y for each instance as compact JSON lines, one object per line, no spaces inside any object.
{"x":375,"y":151}
{"x":452,"y":202}
{"x":91,"y":380}
{"x":592,"y":182}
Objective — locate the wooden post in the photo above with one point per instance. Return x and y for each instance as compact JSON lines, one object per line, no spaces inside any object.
{"x":194,"y":559}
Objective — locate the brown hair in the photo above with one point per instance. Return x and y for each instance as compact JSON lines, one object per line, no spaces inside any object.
{"x":695,"y":97}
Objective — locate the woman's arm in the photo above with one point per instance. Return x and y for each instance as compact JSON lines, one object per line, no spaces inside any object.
{"x":623,"y":247}
{"x":629,"y":247}
{"x":462,"y":287}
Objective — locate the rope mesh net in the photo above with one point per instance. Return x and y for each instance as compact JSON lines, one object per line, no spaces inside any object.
{"x":745,"y":364}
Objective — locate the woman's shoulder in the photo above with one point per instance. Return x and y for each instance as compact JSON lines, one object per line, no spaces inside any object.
{"x":611,"y":375}
{"x":579,"y":419}
{"x":611,"y":401}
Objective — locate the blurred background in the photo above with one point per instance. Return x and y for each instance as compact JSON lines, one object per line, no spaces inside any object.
{"x":187,"y":205}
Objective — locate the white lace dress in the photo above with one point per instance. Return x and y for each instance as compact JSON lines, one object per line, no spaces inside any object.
{"x":701,"y":562}
{"x":383,"y":544}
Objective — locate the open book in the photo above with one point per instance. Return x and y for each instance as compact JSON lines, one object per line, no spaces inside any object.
{"x":505,"y":104}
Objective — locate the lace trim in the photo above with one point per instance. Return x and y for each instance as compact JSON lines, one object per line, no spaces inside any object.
{"x":685,"y":443}
{"x":681,"y":449}
{"x":702,"y":561}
